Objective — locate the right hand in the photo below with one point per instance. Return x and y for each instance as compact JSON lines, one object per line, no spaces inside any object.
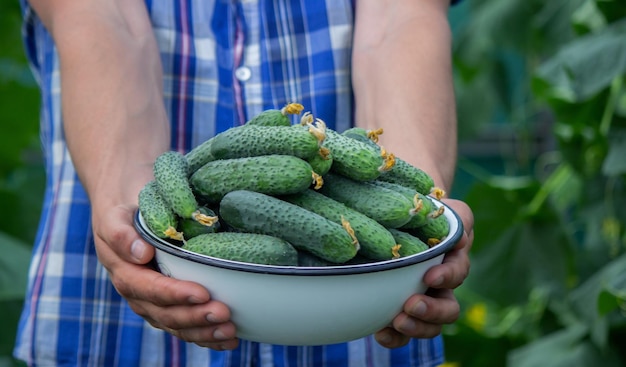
{"x":184,"y":309}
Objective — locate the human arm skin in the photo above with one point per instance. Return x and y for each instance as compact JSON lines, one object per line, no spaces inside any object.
{"x":115,"y":125}
{"x":402,"y":78}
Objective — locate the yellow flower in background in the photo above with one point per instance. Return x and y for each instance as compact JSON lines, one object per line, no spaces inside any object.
{"x":450,"y":364}
{"x":477,"y":316}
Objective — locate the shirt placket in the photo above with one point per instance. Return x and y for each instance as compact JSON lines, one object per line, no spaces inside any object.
{"x":246,"y":78}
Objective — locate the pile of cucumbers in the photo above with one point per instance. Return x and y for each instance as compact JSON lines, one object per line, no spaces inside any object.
{"x":276,"y":193}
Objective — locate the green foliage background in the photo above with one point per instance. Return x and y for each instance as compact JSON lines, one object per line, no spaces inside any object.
{"x":542,"y":113}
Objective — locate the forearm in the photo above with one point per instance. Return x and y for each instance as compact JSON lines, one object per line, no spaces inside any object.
{"x":403,"y":81}
{"x":111,"y":82}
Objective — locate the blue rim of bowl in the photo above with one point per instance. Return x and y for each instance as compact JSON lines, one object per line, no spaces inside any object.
{"x":446,"y":245}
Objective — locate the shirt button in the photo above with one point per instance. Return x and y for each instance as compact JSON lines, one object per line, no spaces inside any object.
{"x":243,"y":73}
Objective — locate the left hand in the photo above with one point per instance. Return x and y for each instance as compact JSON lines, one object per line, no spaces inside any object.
{"x":424,"y":315}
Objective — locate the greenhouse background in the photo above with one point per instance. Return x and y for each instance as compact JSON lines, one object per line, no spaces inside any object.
{"x":541,"y":99}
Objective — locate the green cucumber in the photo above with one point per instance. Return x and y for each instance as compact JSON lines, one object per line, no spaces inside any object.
{"x":244,"y":247}
{"x":191,"y":228}
{"x":274,"y":117}
{"x":405,"y":174}
{"x":422,"y":203}
{"x":157,"y":214}
{"x":255,"y":212}
{"x":355,"y":159}
{"x":268,"y":174}
{"x":375,"y":240}
{"x":307,"y":259}
{"x":402,"y":172}
{"x":409,"y":244}
{"x":322,"y":161}
{"x":435,"y":230}
{"x":254,"y":140}
{"x":170,"y":173}
{"x":199,"y":156}
{"x":368,"y":136}
{"x":387,"y":207}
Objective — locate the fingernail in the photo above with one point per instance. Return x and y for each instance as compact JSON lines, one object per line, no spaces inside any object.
{"x":384,"y":338}
{"x":138,"y":249}
{"x":419,"y":309}
{"x":218,"y":334}
{"x":212,"y":319}
{"x":437,"y":282}
{"x":195,"y":300}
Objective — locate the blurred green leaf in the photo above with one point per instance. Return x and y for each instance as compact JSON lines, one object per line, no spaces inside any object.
{"x":585,"y":298}
{"x":12,"y":268}
{"x":564,"y":348}
{"x":526,"y":254}
{"x":615,"y":162}
{"x":587,"y":65}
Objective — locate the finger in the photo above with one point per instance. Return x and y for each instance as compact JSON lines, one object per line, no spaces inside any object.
{"x":117,"y":232}
{"x":215,"y":334}
{"x":464,"y":212}
{"x":220,"y":346}
{"x":181,"y":317}
{"x":456,"y":263}
{"x":415,"y":328}
{"x":451,"y":273}
{"x":135,"y":282}
{"x":437,"y":306}
{"x":390,"y":338}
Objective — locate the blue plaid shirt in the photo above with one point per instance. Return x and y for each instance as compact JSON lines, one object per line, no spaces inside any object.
{"x":224,"y":61}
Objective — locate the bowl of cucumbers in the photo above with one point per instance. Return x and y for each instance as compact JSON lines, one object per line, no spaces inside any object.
{"x":308,"y":235}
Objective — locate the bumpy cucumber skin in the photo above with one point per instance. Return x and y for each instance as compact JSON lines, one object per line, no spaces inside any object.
{"x":254,"y":212}
{"x":270,"y":117}
{"x":421,"y":216}
{"x":405,"y":174}
{"x":387,"y":207}
{"x":352,"y":158}
{"x":307,"y":259}
{"x":273,"y":117}
{"x":268,"y":174}
{"x":355,"y":131}
{"x":244,"y":247}
{"x":170,"y":173}
{"x":436,"y":228}
{"x":375,"y":240}
{"x":155,"y":211}
{"x":253,"y":140}
{"x":321,"y":165}
{"x":199,"y":156}
{"x":402,"y":173}
{"x":409,"y":244}
{"x":191,"y":228}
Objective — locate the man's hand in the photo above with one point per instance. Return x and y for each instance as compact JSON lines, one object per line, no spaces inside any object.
{"x":424,"y":315}
{"x":184,"y":309}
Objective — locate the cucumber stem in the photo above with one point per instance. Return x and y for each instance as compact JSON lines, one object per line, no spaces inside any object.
{"x":317,"y":180}
{"x":292,"y":109}
{"x":438,"y":193}
{"x":436,"y":213}
{"x":172,"y":233}
{"x":204,"y":219}
{"x":395,"y":251}
{"x":374,"y":134}
{"x":307,"y":119}
{"x":324,"y":153}
{"x":318,"y":130}
{"x":418,"y":204}
{"x":346,"y":225}
{"x":389,"y":160}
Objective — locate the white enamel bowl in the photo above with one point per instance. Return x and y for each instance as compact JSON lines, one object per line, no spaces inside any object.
{"x":305,"y":306}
